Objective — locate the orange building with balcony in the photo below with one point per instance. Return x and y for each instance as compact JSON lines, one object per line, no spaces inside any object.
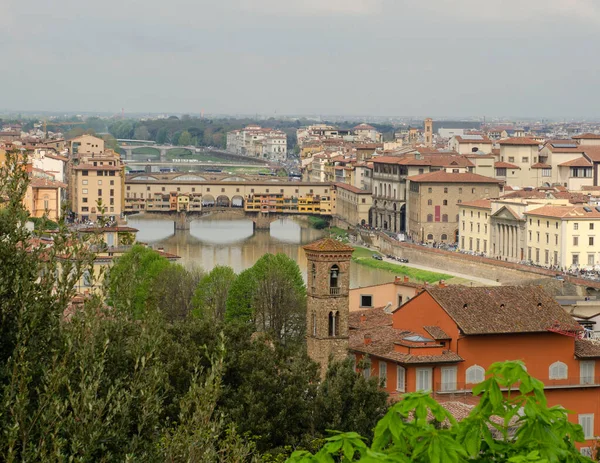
{"x":445,"y":338}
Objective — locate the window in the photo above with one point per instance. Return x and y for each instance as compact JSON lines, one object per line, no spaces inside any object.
{"x":511,"y":159}
{"x":99,"y":182}
{"x":446,"y":189}
{"x":444,"y":217}
{"x":524,"y":159}
{"x":112,"y":182}
{"x":575,"y":260}
{"x":383,"y":374}
{"x":586,"y":421}
{"x":334,"y":329}
{"x":472,"y":190}
{"x":591,"y":259}
{"x":576,"y":241}
{"x":448,"y":379}
{"x":575,"y":226}
{"x":84,"y":191}
{"x":366,"y":301}
{"x":84,"y":182}
{"x":423,"y":379}
{"x":367,"y":369}
{"x":429,"y":217}
{"x":475,"y":374}
{"x":445,"y":202}
{"x":99,"y":191}
{"x":429,"y":190}
{"x":84,"y":173}
{"x":85,"y":209}
{"x":429,"y":202}
{"x":591,"y":240}
{"x":586,"y":371}
{"x":546,"y":256}
{"x":546,"y":172}
{"x":558,"y":370}
{"x":85,"y":200}
{"x":430,"y":236}
{"x":112,"y":192}
{"x":87,"y":280}
{"x":400,"y":379}
{"x":459,"y":190}
{"x":444,"y":237}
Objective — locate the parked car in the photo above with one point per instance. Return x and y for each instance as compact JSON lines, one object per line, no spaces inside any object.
{"x":377,"y":257}
{"x":559,"y":277}
{"x":403,"y":259}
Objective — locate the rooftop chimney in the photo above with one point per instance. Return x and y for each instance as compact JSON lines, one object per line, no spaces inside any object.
{"x":367,"y":339}
{"x":363,"y":318}
{"x":442,"y":284}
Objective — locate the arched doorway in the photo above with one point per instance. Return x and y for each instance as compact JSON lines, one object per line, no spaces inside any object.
{"x":237,"y":201}
{"x":456,"y":236}
{"x":208,"y":201}
{"x":403,"y":218}
{"x":223,"y":201}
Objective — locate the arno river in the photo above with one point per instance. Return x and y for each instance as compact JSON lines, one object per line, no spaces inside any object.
{"x":231,"y":241}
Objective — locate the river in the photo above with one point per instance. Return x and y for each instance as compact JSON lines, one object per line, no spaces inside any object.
{"x":220,"y":240}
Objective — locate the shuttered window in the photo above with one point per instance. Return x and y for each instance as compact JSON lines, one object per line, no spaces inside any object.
{"x":448,"y":379}
{"x":383,"y":374}
{"x":475,"y":374}
{"x":400,"y":379}
{"x":586,"y":371}
{"x":423,"y":379}
{"x":587,"y":423}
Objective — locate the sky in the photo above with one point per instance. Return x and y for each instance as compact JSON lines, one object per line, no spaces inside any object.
{"x":530,"y":58}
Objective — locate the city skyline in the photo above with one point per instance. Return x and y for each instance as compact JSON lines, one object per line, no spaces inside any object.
{"x":358,"y":57}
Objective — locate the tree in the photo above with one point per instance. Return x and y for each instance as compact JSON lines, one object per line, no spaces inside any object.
{"x":161,"y":136}
{"x":173,"y":291}
{"x":210,"y":298}
{"x":240,"y":298}
{"x":516,"y":426}
{"x":185,"y":139}
{"x":346,"y":401}
{"x":110,"y":142}
{"x":141,"y":133}
{"x":279,"y":301}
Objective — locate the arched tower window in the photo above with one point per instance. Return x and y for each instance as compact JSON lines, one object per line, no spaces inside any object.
{"x":558,"y":370}
{"x":333,"y":324}
{"x":334,"y":273}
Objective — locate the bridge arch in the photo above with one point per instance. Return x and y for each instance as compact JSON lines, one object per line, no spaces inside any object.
{"x":237,"y":201}
{"x":223,"y":201}
{"x":208,"y":201}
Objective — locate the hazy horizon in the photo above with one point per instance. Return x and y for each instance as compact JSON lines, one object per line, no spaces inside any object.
{"x":379,"y":58}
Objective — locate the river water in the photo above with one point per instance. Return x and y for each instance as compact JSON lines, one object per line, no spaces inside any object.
{"x":221,"y":240}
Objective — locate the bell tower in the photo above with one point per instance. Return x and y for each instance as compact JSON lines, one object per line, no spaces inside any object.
{"x":327,"y":305}
{"x":428,"y":132}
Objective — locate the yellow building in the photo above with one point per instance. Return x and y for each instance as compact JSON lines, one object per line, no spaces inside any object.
{"x":564,"y":236}
{"x":474,"y":228}
{"x":94,"y":178}
{"x":43,"y":197}
{"x":86,"y":144}
{"x":352,"y":204}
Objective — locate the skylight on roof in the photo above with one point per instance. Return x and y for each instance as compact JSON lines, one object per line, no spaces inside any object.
{"x":564,"y":145}
{"x":417,"y":338}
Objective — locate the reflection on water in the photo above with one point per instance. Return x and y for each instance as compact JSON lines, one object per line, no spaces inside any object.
{"x":221,"y":241}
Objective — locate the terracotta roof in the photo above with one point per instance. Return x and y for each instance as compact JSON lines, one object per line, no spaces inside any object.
{"x":565,"y":212}
{"x":586,"y":348}
{"x":328,"y":245}
{"x":437,"y":333}
{"x":483,"y":140}
{"x":500,"y":309}
{"x":480,"y":203}
{"x":592,"y":152}
{"x":93,"y":167}
{"x":577,"y":162}
{"x":518,"y":141}
{"x":505,"y":165}
{"x":446,"y":177}
{"x":352,"y":188}
{"x":364,"y":127}
{"x":541,"y":165}
{"x":586,"y":136}
{"x":38,"y":182}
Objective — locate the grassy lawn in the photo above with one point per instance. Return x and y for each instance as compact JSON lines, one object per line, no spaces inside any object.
{"x":363,"y":256}
{"x":146,"y":151}
{"x":182,"y":153}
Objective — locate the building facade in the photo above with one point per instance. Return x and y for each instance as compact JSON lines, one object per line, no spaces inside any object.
{"x":433,"y":202}
{"x":258,"y":142}
{"x":352,"y":204}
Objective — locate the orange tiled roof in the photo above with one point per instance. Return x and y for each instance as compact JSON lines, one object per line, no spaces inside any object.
{"x":480,"y":203}
{"x":352,"y":188}
{"x":541,"y":165}
{"x":328,"y":245}
{"x":586,"y":136}
{"x":505,"y":165}
{"x":518,"y":141}
{"x":446,"y":177}
{"x":501,"y":309}
{"x":567,"y":212}
{"x":577,"y":162}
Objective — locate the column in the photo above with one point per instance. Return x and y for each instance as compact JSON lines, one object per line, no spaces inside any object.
{"x":512,"y":239}
{"x":503,"y":241}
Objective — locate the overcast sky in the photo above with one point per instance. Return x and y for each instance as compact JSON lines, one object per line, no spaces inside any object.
{"x":351,"y":57}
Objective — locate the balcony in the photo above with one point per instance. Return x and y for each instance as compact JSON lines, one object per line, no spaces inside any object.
{"x":334,"y":291}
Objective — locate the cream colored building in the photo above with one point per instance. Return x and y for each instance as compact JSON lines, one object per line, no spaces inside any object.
{"x":86,"y":144}
{"x":522,"y":154}
{"x":467,"y":144}
{"x":564,"y":236}
{"x":97,"y":181}
{"x":391,"y":295}
{"x":353,"y":204}
{"x":474,"y":228}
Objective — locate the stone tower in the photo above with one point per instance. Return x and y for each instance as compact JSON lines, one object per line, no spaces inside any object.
{"x":428,"y":132}
{"x":327,"y":305}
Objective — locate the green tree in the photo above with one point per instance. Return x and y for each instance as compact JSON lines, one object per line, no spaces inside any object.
{"x":279,"y":301}
{"x":346,"y":401}
{"x":141,"y":133}
{"x":185,"y":139}
{"x":516,"y":426}
{"x":240,"y":298}
{"x":210,"y":298}
{"x":162,"y":135}
{"x":110,"y":142}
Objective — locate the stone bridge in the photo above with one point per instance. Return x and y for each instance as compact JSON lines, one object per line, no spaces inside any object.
{"x":162,"y":149}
